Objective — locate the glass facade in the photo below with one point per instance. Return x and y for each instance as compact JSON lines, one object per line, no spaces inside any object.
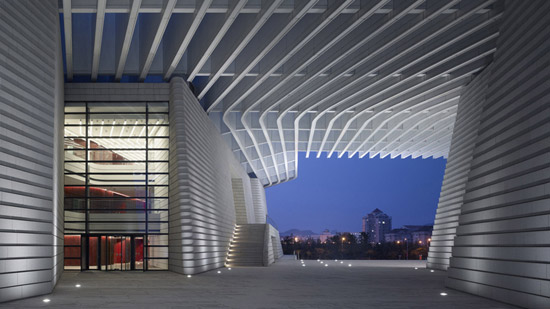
{"x":116,"y":185}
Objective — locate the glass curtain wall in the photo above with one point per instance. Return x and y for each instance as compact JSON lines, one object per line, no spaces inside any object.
{"x":116,"y":183}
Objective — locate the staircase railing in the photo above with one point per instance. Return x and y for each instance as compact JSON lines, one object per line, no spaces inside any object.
{"x":270,"y":220}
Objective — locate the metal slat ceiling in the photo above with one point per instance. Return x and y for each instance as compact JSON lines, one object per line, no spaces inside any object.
{"x":279,"y":77}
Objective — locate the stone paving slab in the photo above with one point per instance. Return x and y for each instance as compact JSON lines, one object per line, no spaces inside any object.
{"x":286,"y":284}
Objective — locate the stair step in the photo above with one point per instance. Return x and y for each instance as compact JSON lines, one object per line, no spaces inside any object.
{"x":247,"y":248}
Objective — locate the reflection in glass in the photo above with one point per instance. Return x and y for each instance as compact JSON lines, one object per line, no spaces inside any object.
{"x":117,"y":167}
{"x":158,"y":179}
{"x":75,"y":167}
{"x":158,"y":131}
{"x":117,"y":179}
{"x":158,"y":119}
{"x":117,"y":143}
{"x":75,"y":155}
{"x":158,"y":203}
{"x":158,"y":143}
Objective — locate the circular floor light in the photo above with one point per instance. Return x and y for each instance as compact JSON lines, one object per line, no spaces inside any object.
{"x":46,"y":300}
{"x":443,"y":294}
{"x":349,"y":265}
{"x":219,"y":272}
{"x":188,"y":276}
{"x":77,"y":285}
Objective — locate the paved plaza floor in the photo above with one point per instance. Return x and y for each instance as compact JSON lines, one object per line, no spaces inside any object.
{"x":285,"y":284}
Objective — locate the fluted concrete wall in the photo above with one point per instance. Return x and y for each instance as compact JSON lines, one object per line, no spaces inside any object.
{"x":30,"y":105}
{"x":202,"y":207}
{"x":502,"y":247}
{"x":240,"y":202}
{"x":472,"y":99}
{"x":258,"y":199}
{"x":273,"y":249}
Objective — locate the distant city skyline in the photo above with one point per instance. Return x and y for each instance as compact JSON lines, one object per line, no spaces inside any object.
{"x":336,"y":193}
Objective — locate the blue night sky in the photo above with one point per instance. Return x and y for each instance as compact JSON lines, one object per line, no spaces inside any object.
{"x":336,"y":193}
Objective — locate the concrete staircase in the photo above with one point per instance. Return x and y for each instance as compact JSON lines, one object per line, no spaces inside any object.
{"x":247,"y":246}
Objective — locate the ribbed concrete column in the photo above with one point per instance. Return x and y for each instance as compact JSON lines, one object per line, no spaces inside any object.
{"x":31,"y":108}
{"x":202,"y":172}
{"x":502,"y":244}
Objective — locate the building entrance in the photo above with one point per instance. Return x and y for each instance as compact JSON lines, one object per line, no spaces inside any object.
{"x":113,"y":252}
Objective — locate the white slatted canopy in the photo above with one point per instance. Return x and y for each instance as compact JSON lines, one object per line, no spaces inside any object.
{"x":279,"y":77}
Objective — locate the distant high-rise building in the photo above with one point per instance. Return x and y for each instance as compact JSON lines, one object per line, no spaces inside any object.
{"x":376,"y":225}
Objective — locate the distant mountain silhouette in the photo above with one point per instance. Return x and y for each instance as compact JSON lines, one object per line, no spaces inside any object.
{"x":297,"y":232}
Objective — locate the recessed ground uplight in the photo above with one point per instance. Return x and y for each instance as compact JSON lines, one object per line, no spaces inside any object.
{"x":326,"y":265}
{"x":443,"y":294}
{"x":188,"y":276}
{"x":219,"y":272}
{"x":416,"y":268}
{"x":349,"y":265}
{"x":77,"y":285}
{"x":46,"y":300}
{"x":335,"y":260}
{"x":432,"y":271}
{"x":341,"y":262}
{"x":229,"y":268}
{"x":303,"y":265}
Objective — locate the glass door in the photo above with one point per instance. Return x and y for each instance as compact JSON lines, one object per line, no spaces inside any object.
{"x":93,"y":253}
{"x":138,"y":252}
{"x":121,"y":252}
{"x":126,"y":253}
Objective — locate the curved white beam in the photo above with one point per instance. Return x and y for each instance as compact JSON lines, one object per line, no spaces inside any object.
{"x":426,"y":80}
{"x":98,"y":36}
{"x":226,"y":55}
{"x":123,"y":42}
{"x":433,"y":120}
{"x":426,"y":37}
{"x":299,"y":42}
{"x":449,"y":102}
{"x":422,"y":89}
{"x":174,"y":56}
{"x":150,"y":41}
{"x":68,"y":29}
{"x":208,"y":44}
{"x":292,"y":21}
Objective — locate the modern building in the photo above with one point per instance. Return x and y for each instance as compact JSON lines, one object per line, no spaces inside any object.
{"x":141,"y":134}
{"x":419,"y":234}
{"x":325,"y":235}
{"x":376,"y":224}
{"x":400,"y":235}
